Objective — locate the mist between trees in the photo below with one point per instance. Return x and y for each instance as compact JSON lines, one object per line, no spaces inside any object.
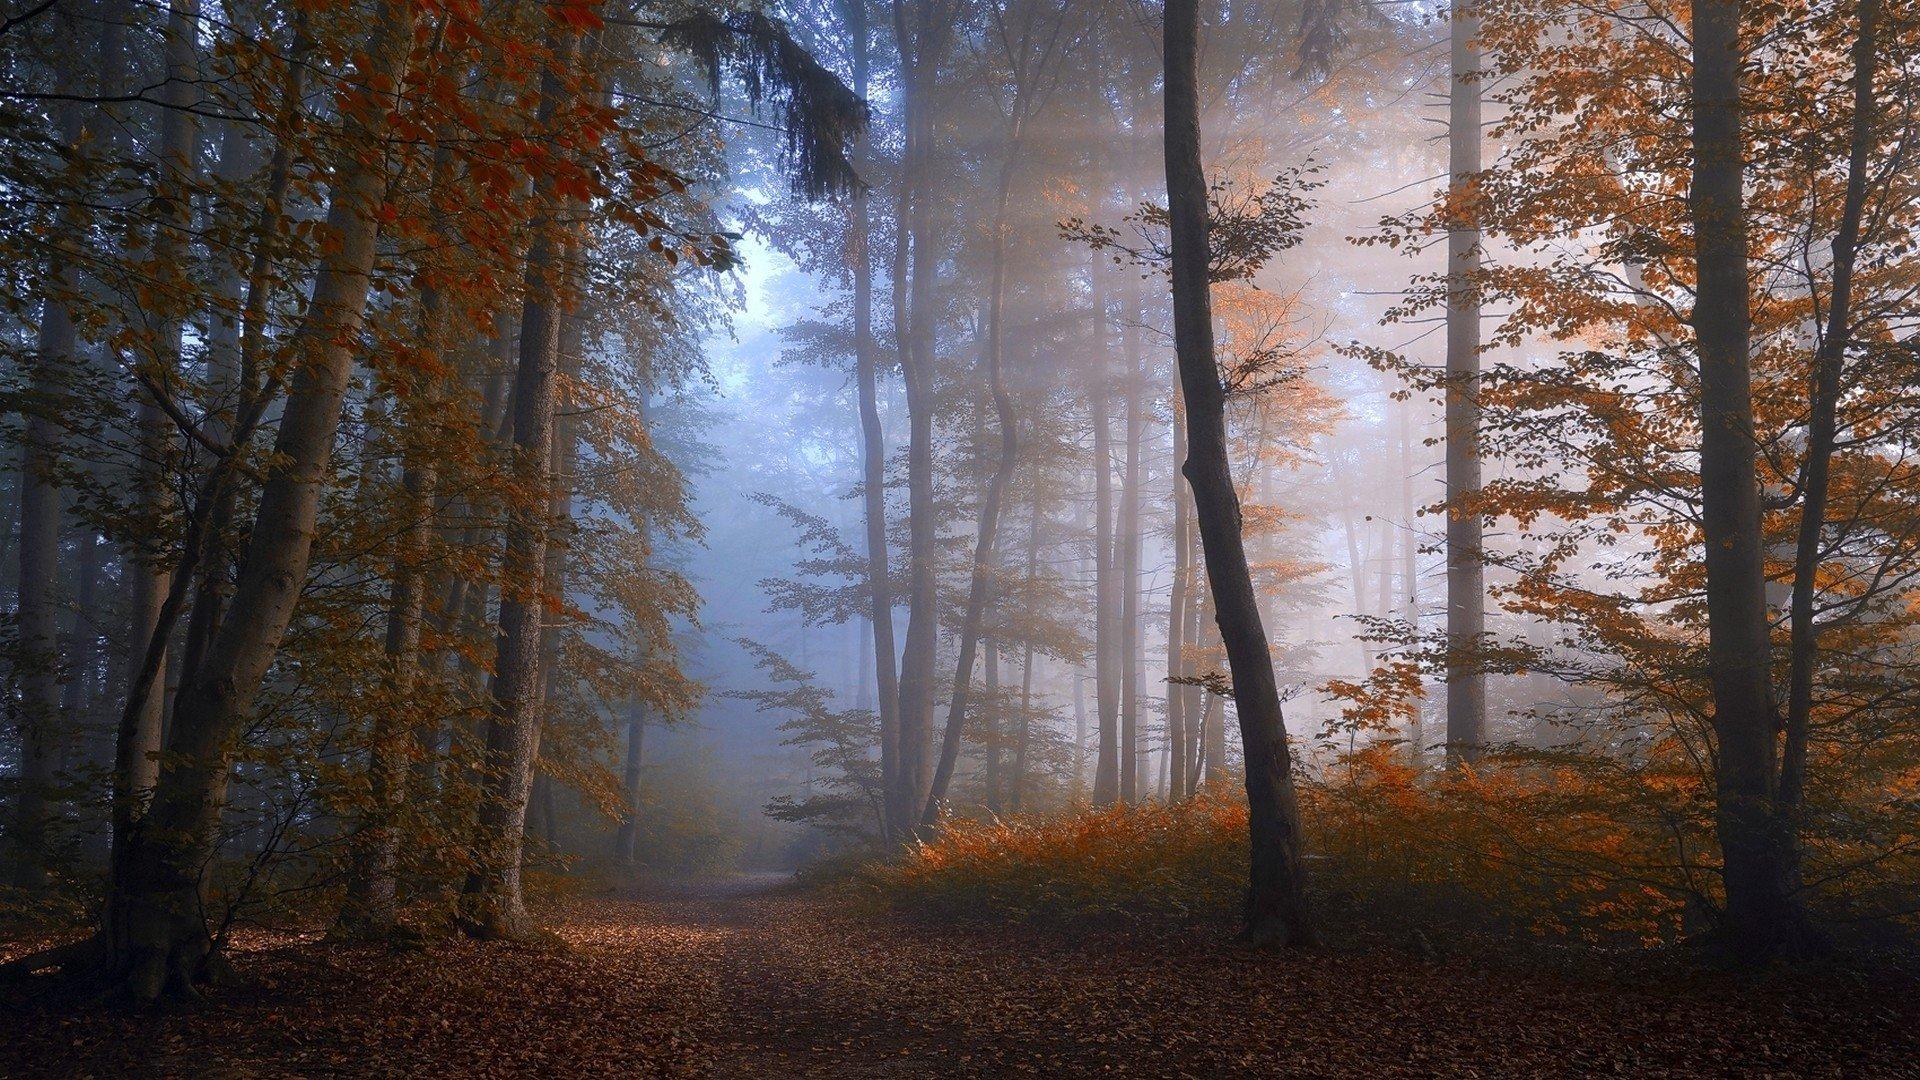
{"x":459,"y":452}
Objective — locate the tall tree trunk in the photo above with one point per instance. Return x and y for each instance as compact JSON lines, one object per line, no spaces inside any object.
{"x":1106,"y":592}
{"x":626,"y":844}
{"x":1829,"y":364}
{"x":371,"y":903}
{"x":1409,"y":576}
{"x":981,"y":585}
{"x":1193,"y":697}
{"x":160,"y":940}
{"x":36,"y":611}
{"x":1179,"y":745}
{"x":1276,"y":912}
{"x":873,"y":440}
{"x":493,"y":903}
{"x":136,"y":764}
{"x":1024,"y":736}
{"x":237,"y":359}
{"x":141,"y":731}
{"x":916,"y":248}
{"x":992,"y":723}
{"x":1133,"y":758}
{"x":1078,"y":789}
{"x":1466,"y":574}
{"x":1761,"y":906}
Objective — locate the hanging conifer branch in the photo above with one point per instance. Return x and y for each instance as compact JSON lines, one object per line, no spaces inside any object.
{"x":821,"y":117}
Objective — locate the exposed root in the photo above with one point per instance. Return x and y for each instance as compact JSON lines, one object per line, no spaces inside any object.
{"x":74,"y":958}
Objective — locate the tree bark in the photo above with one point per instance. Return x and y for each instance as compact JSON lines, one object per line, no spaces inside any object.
{"x":1133,"y":757}
{"x":493,"y":903}
{"x":980,"y":587}
{"x":1106,"y":618}
{"x":626,"y":844}
{"x":1466,"y":573}
{"x":160,"y":941}
{"x":1276,"y":911}
{"x":873,"y":440}
{"x":36,"y":610}
{"x":1762,"y":911}
{"x":1829,"y":364}
{"x":916,"y":249}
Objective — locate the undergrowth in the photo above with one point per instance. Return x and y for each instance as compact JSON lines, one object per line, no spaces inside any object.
{"x":1518,"y":852}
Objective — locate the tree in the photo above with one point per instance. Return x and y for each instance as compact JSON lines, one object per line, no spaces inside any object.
{"x":159,"y":940}
{"x":1466,"y":575}
{"x":1032,"y":55}
{"x":1276,"y":910}
{"x":496,"y":907}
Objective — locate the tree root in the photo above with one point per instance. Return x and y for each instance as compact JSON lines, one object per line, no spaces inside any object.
{"x":150,"y":977}
{"x":87,"y":954}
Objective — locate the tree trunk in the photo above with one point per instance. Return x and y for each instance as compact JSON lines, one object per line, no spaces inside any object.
{"x":992,"y":724}
{"x":37,"y":603}
{"x":1179,"y":744}
{"x":626,"y":844}
{"x":1078,"y":790}
{"x":1024,"y":736}
{"x":371,"y":902}
{"x":1276,"y":912}
{"x":1466,"y":574}
{"x":1409,"y":576}
{"x":161,"y":941}
{"x":36,"y":611}
{"x":914,"y":331}
{"x":980,"y":587}
{"x":493,"y":904}
{"x":873,"y":440}
{"x":1762,"y":910}
{"x":237,"y":359}
{"x":1829,"y":365}
{"x":1106,"y":619}
{"x":1193,"y":699}
{"x":1133,"y":758}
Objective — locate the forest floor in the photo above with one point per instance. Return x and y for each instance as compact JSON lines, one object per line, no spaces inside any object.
{"x":743,"y":979}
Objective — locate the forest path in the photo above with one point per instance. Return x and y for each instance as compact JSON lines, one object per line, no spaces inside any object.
{"x":743,"y":979}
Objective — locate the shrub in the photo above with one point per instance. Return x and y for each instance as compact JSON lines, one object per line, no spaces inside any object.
{"x":1129,"y":863}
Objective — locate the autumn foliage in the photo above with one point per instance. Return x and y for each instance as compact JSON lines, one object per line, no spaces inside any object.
{"x":1125,"y":861}
{"x":1538,"y":846}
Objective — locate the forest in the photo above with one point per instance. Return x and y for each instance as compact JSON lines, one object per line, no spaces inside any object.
{"x":959,"y":537}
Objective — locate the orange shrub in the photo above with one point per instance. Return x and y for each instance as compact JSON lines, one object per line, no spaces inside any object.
{"x":1144,"y":862}
{"x":1579,"y":848}
{"x":1529,"y":848}
{"x":1509,"y":850}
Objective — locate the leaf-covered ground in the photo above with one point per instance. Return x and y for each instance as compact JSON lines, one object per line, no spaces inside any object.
{"x":733,"y":982}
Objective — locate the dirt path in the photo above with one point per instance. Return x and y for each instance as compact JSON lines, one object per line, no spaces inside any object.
{"x":740,"y":980}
